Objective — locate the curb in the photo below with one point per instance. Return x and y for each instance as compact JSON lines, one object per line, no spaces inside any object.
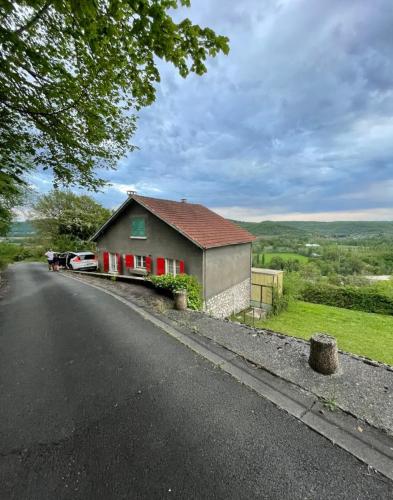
{"x":368,"y":444}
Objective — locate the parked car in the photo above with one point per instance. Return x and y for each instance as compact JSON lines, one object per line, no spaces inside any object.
{"x":81,"y":261}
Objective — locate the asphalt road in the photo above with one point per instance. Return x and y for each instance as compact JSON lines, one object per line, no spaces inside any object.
{"x":97,"y":403}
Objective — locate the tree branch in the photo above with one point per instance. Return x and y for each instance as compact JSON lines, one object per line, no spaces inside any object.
{"x":37,"y":16}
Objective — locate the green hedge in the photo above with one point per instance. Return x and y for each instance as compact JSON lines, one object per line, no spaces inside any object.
{"x":368,"y":298}
{"x":181,"y":282}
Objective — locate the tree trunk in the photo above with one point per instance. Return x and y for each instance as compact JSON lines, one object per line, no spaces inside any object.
{"x":323,"y":354}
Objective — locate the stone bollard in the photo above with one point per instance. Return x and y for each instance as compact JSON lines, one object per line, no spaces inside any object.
{"x":323,"y":354}
{"x":180,"y":300}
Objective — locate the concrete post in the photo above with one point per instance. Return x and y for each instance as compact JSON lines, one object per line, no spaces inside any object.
{"x":180,"y":300}
{"x":323,"y":354}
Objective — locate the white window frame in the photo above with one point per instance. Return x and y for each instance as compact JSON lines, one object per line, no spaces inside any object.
{"x":172,"y":266}
{"x":140,"y":262}
{"x":113,"y":263}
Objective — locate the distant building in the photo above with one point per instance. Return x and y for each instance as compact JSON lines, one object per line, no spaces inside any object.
{"x":154,"y":236}
{"x":312,"y":245}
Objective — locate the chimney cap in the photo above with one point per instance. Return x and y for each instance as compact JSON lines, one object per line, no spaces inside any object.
{"x":183,"y":200}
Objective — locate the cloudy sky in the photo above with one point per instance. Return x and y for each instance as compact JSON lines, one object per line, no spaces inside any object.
{"x":295,"y":123}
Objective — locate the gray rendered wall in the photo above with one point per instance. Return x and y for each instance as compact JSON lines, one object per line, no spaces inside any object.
{"x":162,"y":241}
{"x":228,"y":279}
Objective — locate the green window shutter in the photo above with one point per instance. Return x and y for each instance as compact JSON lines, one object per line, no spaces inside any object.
{"x":138,"y":227}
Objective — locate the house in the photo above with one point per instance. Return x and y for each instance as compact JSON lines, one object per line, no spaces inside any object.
{"x":154,"y":236}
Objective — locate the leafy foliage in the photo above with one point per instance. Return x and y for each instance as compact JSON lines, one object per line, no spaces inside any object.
{"x":63,"y":215}
{"x":181,"y":282}
{"x":72,"y":75}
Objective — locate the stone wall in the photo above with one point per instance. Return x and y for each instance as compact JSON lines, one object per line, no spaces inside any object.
{"x":232,"y":300}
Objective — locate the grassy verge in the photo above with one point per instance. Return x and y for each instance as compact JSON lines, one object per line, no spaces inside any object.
{"x":358,"y":332}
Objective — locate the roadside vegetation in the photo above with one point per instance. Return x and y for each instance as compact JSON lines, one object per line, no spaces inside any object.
{"x":16,"y":252}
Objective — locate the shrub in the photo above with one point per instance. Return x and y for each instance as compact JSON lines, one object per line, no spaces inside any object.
{"x":369,"y":299}
{"x":292,"y":286}
{"x":181,"y":282}
{"x":280,"y":303}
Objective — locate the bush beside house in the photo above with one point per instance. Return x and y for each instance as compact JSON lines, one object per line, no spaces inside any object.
{"x":181,"y":282}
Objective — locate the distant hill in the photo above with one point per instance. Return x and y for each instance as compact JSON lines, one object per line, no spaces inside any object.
{"x":346,"y":228}
{"x":21,"y":229}
{"x":341,"y":229}
{"x":271,"y":228}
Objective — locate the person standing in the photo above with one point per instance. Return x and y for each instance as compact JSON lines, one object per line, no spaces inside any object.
{"x":50,"y":256}
{"x":56,"y":261}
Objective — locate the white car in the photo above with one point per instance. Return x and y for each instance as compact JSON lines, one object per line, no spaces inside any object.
{"x":82,"y":261}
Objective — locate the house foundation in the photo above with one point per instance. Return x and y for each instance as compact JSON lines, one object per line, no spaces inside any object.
{"x":230,"y":301}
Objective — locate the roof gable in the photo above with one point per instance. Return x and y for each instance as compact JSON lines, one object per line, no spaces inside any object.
{"x":200,"y":225}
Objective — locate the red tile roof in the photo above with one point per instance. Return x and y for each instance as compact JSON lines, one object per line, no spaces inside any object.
{"x":196,"y":222}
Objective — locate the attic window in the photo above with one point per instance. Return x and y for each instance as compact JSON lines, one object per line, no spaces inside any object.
{"x":138,"y":228}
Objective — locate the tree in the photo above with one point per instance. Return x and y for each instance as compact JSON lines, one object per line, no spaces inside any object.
{"x":73,"y":74}
{"x":9,"y":193}
{"x":277,"y":262}
{"x":65,"y":214}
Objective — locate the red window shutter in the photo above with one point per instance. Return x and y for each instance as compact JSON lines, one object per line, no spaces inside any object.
{"x":130,"y":261}
{"x":181,"y":266}
{"x":119,"y":263}
{"x":160,"y":266}
{"x":105,"y":260}
{"x":148,"y":264}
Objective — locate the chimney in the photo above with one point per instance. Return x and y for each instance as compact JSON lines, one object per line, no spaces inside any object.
{"x":184,"y":200}
{"x":131,"y":193}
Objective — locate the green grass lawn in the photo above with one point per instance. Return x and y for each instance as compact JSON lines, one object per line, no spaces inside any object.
{"x":285,"y":256}
{"x":362,"y":333}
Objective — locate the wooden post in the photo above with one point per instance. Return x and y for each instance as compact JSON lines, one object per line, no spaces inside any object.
{"x":180,"y":300}
{"x":323,"y":354}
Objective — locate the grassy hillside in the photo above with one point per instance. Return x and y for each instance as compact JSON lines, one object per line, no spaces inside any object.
{"x":270,"y":228}
{"x":342,"y":229}
{"x":345,"y":228}
{"x":362,"y":333}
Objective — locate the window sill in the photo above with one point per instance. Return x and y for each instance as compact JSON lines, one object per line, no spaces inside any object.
{"x":138,"y":237}
{"x":137,"y":270}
